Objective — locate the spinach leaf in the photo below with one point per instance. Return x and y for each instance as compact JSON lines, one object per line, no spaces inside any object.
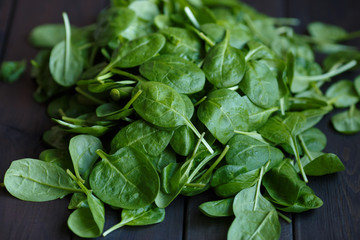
{"x":162,"y":106}
{"x":224,"y":65}
{"x":145,"y":10}
{"x":139,"y":217}
{"x":263,"y":225}
{"x":317,"y":163}
{"x":88,"y":222}
{"x":38,"y":181}
{"x":357,"y":85}
{"x":228,"y":180}
{"x":314,"y":139}
{"x":347,"y":122}
{"x":66,"y":62}
{"x":181,"y":42}
{"x":164,"y":159}
{"x":82,"y":151}
{"x":251,"y":153}
{"x":326,"y":32}
{"x":284,"y":129}
{"x":47,"y":35}
{"x":219,"y":208}
{"x":125,"y":179}
{"x":250,"y":204}
{"x":183,"y":141}
{"x":180,"y":74}
{"x":137,"y":51}
{"x":142,"y":137}
{"x":260,"y":85}
{"x":222,"y":112}
{"x":287,"y":190}
{"x":111,"y":23}
{"x":11,"y":71}
{"x":60,"y":157}
{"x":344,"y":94}
{"x":78,"y":200}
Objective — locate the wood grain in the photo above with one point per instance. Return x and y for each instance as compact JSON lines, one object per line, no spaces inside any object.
{"x":6,"y":9}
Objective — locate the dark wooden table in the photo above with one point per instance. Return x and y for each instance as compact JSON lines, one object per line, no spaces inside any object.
{"x":22,"y":122}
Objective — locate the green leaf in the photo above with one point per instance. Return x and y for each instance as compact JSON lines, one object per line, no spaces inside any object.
{"x":219,"y":208}
{"x":228,"y":180}
{"x":142,"y":137}
{"x":139,"y":217}
{"x":66,"y":62}
{"x":11,"y":71}
{"x":38,"y":181}
{"x":180,"y":74}
{"x":82,"y":150}
{"x":183,"y":141}
{"x":224,"y":65}
{"x":60,"y":157}
{"x":263,"y":225}
{"x":111,"y":23}
{"x":347,"y":122}
{"x":287,"y":190}
{"x":222,"y":112}
{"x":138,"y":51}
{"x":182,"y":42}
{"x":125,"y":179}
{"x":321,"y":164}
{"x":260,"y":85}
{"x":251,"y":153}
{"x":88,"y":222}
{"x":326,"y":32}
{"x":344,"y":93}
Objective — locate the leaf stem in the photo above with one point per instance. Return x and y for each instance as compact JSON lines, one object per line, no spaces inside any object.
{"x":202,"y":36}
{"x":192,"y":127}
{"x":197,"y":146}
{"x":191,"y":17}
{"x":288,"y":220}
{"x":258,"y":187}
{"x":303,"y":145}
{"x":252,"y":134}
{"x":116,"y":226}
{"x":253,"y":52}
{"x":81,"y":185}
{"x":329,"y":74}
{"x":297,"y":157}
{"x":137,"y":94}
{"x":105,"y":76}
{"x":67,"y":40}
{"x":199,"y":185}
{"x":89,"y":96}
{"x":127,"y":74}
{"x":101,"y":154}
{"x":200,"y":101}
{"x":282,"y":106}
{"x":213,"y":166}
{"x":107,"y":68}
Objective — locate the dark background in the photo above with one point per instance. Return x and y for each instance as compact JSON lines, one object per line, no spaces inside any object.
{"x":22,"y":122}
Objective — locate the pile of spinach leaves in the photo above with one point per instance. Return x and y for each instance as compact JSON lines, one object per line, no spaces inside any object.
{"x":167,"y":98}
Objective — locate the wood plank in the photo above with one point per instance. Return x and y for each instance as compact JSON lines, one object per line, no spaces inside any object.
{"x":6,"y":10}
{"x":339,"y":218}
{"x":199,"y":226}
{"x":22,"y":121}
